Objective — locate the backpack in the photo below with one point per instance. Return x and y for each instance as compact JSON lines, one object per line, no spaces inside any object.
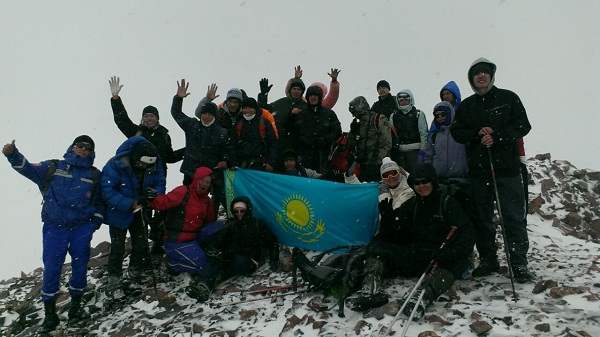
{"x":52,"y":169}
{"x":339,"y":274}
{"x":338,"y":157}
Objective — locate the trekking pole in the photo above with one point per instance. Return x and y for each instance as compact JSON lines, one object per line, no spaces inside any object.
{"x":412,"y":314}
{"x":506,"y":250}
{"x":154,"y":283}
{"x":268,"y":297}
{"x":430,"y":269}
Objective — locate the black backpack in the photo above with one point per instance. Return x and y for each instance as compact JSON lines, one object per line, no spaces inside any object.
{"x":339,"y":274}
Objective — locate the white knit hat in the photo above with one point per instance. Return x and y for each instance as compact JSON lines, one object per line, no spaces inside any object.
{"x":388,"y":165}
{"x":240,"y":204}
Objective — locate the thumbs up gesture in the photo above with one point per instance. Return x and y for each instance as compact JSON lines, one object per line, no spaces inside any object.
{"x":9,"y":148}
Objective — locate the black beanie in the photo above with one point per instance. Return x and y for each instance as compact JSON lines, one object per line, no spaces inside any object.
{"x":210,"y":108}
{"x":314,"y":90}
{"x":84,"y":139}
{"x":383,"y":83}
{"x":251,"y":103}
{"x":150,"y":110}
{"x":144,"y":149}
{"x":481,"y":67}
{"x":424,"y":171}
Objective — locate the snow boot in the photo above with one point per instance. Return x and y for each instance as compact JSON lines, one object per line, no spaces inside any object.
{"x":76,"y":311}
{"x":198,"y":290}
{"x":51,"y":320}
{"x":114,"y":290}
{"x":370,"y":295}
{"x":522,"y":274}
{"x":433,"y":286}
{"x":486,"y":267}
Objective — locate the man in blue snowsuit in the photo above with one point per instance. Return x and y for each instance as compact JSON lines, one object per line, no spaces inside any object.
{"x":129,"y":178}
{"x":72,"y":210}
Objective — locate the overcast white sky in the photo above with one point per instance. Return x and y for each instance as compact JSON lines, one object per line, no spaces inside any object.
{"x":56,"y":61}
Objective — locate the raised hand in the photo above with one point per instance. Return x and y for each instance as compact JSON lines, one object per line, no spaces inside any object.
{"x":211,"y":93}
{"x":8,"y":148}
{"x":115,"y":88}
{"x":297,"y":72}
{"x":334,"y":74}
{"x":182,"y":88}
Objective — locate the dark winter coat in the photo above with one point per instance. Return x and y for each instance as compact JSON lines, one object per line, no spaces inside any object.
{"x":183,"y":222}
{"x":248,"y":237}
{"x":71,"y":198}
{"x":158,"y":136}
{"x":204,"y":146}
{"x":503,"y":111}
{"x":374,"y":139}
{"x":250,"y":145}
{"x":385,"y":105}
{"x":120,"y":185}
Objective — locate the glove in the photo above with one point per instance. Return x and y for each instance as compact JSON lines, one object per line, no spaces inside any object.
{"x":97,"y":221}
{"x":386,"y":210}
{"x":421,"y":157}
{"x":115,"y":88}
{"x":351,"y":164}
{"x":355,"y":127}
{"x":383,"y":188}
{"x":264,"y":86}
{"x":149,"y":195}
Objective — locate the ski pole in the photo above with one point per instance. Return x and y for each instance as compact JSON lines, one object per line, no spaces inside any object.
{"x":142,"y":215}
{"x":269,"y":297}
{"x":430,"y":269}
{"x":506,"y":250}
{"x":263,"y":290}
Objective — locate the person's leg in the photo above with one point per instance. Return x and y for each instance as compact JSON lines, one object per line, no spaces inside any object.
{"x":510,"y":190}
{"x":55,"y":242}
{"x":485,"y":229}
{"x":139,"y":246}
{"x":117,"y":250}
{"x":79,"y":250}
{"x":185,"y":257}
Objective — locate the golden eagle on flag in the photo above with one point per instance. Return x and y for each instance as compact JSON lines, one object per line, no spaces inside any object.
{"x":308,"y":213}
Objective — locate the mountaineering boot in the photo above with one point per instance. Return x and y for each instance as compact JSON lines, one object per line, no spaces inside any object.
{"x":522,"y":274}
{"x":486,"y":267}
{"x":370,"y":295}
{"x":114,"y":290}
{"x":198,"y":290}
{"x":433,"y":287}
{"x":76,"y":311}
{"x":51,"y":320}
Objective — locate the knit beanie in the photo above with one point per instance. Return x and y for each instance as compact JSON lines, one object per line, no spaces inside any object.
{"x":250,"y":103}
{"x":481,"y":67}
{"x":210,"y":108}
{"x":383,"y":83}
{"x":234,"y":93}
{"x":202,"y":172}
{"x":388,"y":164}
{"x":144,"y":152}
{"x":84,"y":139}
{"x":424,"y":171}
{"x":150,"y":110}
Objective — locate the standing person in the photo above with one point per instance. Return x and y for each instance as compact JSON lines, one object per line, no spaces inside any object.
{"x":72,"y":210}
{"x":490,"y":124}
{"x":330,"y":96}
{"x":451,"y":93}
{"x":409,"y":237}
{"x":370,"y":138}
{"x":149,"y":127}
{"x":129,"y":179}
{"x":282,"y":108}
{"x":254,"y":138}
{"x":314,"y":130}
{"x":189,"y":210}
{"x":411,"y":128}
{"x":292,"y":168}
{"x":206,"y":144}
{"x":386,"y":102}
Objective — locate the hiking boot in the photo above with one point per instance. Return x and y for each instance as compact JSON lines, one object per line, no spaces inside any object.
{"x":114,"y":290}
{"x":134,"y":275}
{"x":362,"y":301}
{"x":198,"y":291}
{"x":522,"y":274}
{"x":76,"y":311}
{"x":485,"y":268}
{"x":412,"y":305}
{"x":51,"y":320}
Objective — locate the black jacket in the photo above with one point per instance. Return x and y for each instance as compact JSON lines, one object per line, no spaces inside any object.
{"x":385,"y":105}
{"x":501,"y":110}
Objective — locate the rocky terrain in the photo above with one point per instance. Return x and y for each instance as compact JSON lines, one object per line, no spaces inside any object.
{"x":564,"y":229}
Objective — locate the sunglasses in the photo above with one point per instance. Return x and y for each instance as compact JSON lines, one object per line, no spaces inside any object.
{"x":84,"y":145}
{"x":439,"y":114}
{"x":421,"y":181}
{"x":239,"y":211}
{"x":390,"y":174}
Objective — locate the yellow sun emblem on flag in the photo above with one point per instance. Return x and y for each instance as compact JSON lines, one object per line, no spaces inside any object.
{"x":298,"y":216}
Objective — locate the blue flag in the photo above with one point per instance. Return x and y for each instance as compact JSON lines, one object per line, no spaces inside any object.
{"x":308,"y":213}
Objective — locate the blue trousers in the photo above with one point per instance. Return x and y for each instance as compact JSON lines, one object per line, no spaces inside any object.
{"x":57,"y":242}
{"x":512,"y":204}
{"x":188,"y":256}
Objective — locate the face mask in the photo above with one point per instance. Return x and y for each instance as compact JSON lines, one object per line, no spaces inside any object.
{"x":209,"y":124}
{"x":249,"y":118}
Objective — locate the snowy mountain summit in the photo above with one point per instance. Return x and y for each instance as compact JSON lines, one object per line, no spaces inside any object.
{"x":564,"y":233}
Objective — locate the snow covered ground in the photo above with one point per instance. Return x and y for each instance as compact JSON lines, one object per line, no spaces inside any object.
{"x":564,"y":301}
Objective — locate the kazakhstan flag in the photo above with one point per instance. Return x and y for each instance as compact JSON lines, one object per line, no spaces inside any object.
{"x":308,"y":213}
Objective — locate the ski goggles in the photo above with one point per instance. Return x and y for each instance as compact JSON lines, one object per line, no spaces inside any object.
{"x":84,"y":145}
{"x":390,"y":174}
{"x":421,"y":181}
{"x":439,"y":114}
{"x":403,"y":97}
{"x":239,"y":211}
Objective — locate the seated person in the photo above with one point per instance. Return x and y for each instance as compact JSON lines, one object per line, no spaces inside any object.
{"x":292,"y":168}
{"x":409,"y":237}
